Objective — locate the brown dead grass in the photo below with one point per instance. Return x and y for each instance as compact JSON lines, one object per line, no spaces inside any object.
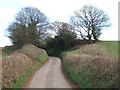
{"x":16,"y":64}
{"x":102,"y":65}
{"x":13,"y":67}
{"x":31,"y":51}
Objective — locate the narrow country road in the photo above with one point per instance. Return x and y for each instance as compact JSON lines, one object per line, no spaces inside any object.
{"x":49,"y":76}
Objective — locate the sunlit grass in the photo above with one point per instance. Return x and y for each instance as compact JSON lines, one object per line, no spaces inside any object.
{"x":111,"y":47}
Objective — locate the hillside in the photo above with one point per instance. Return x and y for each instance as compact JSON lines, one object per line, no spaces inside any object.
{"x":92,"y":66}
{"x":112,"y":47}
{"x":19,"y":66}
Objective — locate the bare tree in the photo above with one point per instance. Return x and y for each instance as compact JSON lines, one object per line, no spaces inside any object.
{"x":55,"y":27}
{"x":28,"y":27}
{"x":89,"y":21}
{"x":61,"y":27}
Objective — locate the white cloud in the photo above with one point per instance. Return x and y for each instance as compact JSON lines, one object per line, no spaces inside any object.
{"x":109,"y":34}
{"x":5,"y":41}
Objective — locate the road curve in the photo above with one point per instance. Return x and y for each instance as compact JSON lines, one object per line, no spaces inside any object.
{"x":49,"y":76}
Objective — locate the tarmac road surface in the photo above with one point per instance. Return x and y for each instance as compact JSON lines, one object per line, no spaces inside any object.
{"x":49,"y":76}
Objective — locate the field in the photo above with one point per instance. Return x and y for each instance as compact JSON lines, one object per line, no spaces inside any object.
{"x":93,"y":66}
{"x":111,"y":47}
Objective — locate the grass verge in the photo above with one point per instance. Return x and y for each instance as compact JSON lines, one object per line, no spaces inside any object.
{"x":91,"y":67}
{"x":43,"y":58}
{"x":22,"y":80}
{"x":79,"y":78}
{"x":20,"y":83}
{"x":21,"y":64}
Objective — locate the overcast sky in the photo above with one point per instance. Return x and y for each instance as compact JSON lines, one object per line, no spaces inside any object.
{"x":57,"y":10}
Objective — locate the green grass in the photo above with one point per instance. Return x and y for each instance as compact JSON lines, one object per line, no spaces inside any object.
{"x":111,"y":47}
{"x":119,"y":48}
{"x":7,"y":51}
{"x":0,"y":54}
{"x":79,"y":78}
{"x":22,"y":80}
{"x":43,"y":57}
{"x":84,"y":78}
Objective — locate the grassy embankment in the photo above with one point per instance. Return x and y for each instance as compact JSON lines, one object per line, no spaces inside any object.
{"x":32,"y":69}
{"x":41,"y":58}
{"x":92,"y":66}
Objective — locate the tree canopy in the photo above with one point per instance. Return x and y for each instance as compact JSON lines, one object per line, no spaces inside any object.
{"x":89,"y":21}
{"x":28,"y":27}
{"x":64,"y":35}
